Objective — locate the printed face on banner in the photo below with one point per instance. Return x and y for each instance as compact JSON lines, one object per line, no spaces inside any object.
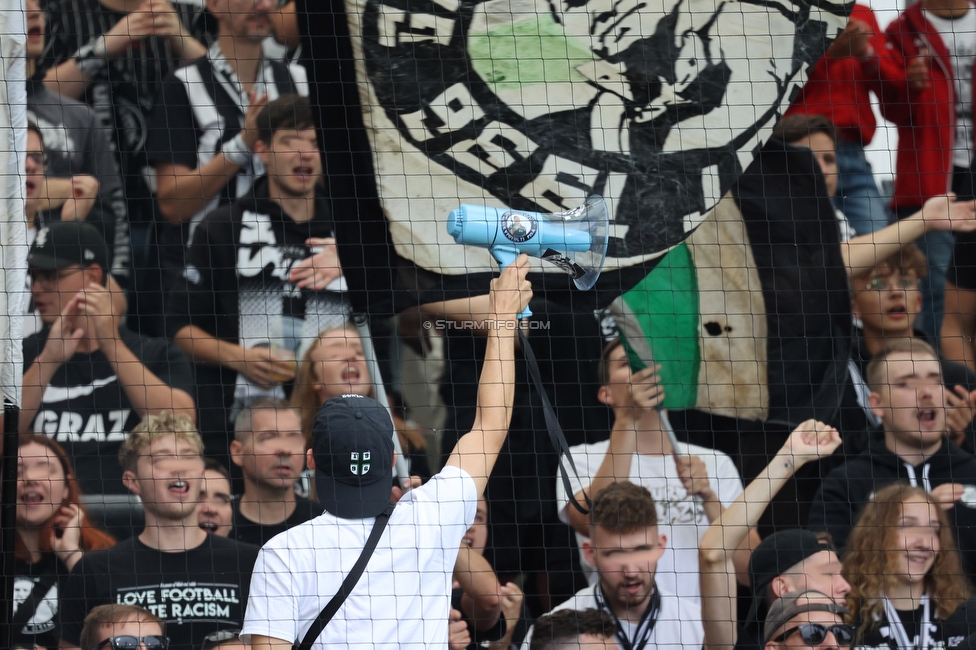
{"x":539,"y":104}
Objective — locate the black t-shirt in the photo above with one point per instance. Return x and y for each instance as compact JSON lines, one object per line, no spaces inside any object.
{"x":962,"y":268}
{"x":249,"y":532}
{"x":195,"y":593}
{"x":882,"y":634}
{"x":748,"y":638}
{"x":35,"y":604}
{"x":86,"y":410}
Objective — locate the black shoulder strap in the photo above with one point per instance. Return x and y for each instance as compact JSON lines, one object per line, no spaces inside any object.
{"x":282,"y":78}
{"x":555,"y":430}
{"x":347,"y":585}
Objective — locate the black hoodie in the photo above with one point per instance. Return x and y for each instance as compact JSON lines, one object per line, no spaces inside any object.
{"x":846,"y":489}
{"x":236,"y":287}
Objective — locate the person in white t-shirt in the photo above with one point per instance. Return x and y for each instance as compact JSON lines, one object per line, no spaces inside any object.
{"x":402,"y":600}
{"x":625,"y":545}
{"x":691,"y":485}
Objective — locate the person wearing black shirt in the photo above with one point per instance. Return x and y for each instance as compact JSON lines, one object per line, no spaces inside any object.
{"x":53,"y":534}
{"x":195,"y":582}
{"x":908,"y":395}
{"x":76,"y":144}
{"x":87,"y":379}
{"x":262,"y":276}
{"x":269,"y":447}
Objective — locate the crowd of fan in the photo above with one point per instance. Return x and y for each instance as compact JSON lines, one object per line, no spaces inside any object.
{"x":188,"y":323}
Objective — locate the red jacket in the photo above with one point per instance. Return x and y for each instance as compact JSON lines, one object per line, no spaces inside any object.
{"x":838,"y":87}
{"x":926,"y":119}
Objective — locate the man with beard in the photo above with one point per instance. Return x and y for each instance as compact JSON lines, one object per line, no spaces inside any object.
{"x":625,"y":547}
{"x":202,"y":131}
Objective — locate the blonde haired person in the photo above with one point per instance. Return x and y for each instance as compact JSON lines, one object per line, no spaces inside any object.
{"x":112,"y":627}
{"x":197,"y":583}
{"x":903,"y":567}
{"x":334,"y":364}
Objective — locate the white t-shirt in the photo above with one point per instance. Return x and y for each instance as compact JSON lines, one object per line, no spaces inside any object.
{"x":403,"y":598}
{"x":678,"y":623}
{"x":680,"y":516}
{"x":959,"y":37}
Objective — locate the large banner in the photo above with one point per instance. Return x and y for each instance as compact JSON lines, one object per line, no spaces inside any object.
{"x":536,"y":105}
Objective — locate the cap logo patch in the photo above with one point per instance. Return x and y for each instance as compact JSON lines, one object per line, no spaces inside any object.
{"x":89,"y":254}
{"x":359,"y":467}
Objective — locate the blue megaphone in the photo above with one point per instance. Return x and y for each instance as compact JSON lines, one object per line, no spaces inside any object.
{"x":575,"y":240}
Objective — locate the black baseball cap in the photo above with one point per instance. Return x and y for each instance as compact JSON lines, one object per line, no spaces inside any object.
{"x":63,"y":243}
{"x":352,"y":441}
{"x":774,"y":556}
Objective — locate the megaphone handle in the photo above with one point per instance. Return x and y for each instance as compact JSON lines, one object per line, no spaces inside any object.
{"x":504,"y":256}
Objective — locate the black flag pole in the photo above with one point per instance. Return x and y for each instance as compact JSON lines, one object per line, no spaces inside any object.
{"x":8,"y":517}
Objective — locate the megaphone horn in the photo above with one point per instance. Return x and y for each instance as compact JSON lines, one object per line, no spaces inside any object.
{"x":575,"y":240}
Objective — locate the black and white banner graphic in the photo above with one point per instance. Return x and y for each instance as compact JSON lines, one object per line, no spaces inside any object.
{"x":654,"y":104}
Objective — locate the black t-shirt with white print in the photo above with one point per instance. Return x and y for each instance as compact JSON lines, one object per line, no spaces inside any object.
{"x":236,"y":288}
{"x":883,"y":637}
{"x":35,"y":604}
{"x":124,"y":93}
{"x":196,"y":592}
{"x":86,"y":410}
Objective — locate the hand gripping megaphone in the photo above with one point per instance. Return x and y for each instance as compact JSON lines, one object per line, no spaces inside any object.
{"x":575,"y":240}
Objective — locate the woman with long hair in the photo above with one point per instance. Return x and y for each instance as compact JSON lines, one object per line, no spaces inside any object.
{"x":904,"y":570}
{"x":53,"y":533}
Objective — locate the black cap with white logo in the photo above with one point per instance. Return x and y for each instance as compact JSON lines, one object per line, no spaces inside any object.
{"x":63,"y":243}
{"x":352,"y":441}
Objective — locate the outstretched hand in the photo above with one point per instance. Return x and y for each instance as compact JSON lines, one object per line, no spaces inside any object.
{"x":945,"y":213}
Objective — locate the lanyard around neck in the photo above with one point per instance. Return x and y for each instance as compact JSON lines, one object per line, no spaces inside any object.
{"x":644,"y":628}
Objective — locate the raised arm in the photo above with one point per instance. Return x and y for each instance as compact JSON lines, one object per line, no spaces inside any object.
{"x":809,"y":441}
{"x":940,"y":213}
{"x":482,"y":600}
{"x":478,"y":449}
{"x":629,"y":420}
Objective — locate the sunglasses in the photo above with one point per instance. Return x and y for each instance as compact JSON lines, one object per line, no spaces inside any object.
{"x":815,"y":633}
{"x":127,"y":642}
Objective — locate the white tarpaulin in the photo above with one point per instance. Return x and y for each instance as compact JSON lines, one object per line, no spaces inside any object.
{"x":13,"y":225}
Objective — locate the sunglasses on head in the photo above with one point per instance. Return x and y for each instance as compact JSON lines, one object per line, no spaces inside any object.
{"x":128,"y":642}
{"x":815,"y":633}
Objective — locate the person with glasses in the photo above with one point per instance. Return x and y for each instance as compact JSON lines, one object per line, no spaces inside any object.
{"x":909,"y":397}
{"x":887,"y":302}
{"x":198,"y":583}
{"x":123,"y":627}
{"x":88,"y":380}
{"x":786,"y":562}
{"x":807,"y":619}
{"x":903,"y":566}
